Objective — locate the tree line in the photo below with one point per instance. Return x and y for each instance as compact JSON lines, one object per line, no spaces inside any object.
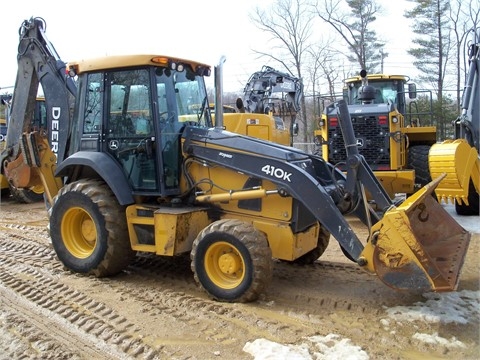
{"x":441,"y":31}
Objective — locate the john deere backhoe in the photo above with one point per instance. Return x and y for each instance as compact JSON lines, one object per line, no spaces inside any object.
{"x":459,"y":157}
{"x":139,"y":167}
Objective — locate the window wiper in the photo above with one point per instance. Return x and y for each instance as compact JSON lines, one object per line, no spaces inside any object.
{"x":202,"y":108}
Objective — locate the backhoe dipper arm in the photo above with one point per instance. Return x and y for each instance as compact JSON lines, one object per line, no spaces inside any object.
{"x":39,"y":63}
{"x":468,"y":123}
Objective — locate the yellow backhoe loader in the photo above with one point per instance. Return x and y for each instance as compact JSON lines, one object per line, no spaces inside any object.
{"x":459,"y":157}
{"x":139,"y":167}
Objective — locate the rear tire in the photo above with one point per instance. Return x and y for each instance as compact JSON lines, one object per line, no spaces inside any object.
{"x":311,"y":256}
{"x":232,"y":261}
{"x":27,"y":196}
{"x":89,"y":229}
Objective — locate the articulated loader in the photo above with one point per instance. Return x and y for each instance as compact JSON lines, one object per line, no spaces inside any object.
{"x":392,"y":136}
{"x":459,"y":157}
{"x":139,"y":167}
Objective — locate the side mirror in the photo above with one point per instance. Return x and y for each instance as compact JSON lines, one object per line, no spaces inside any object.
{"x":294,"y":129}
{"x":412,"y":91}
{"x":345,"y":95}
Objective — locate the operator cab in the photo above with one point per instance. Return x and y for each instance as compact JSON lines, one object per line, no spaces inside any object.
{"x":378,"y":89}
{"x":136,"y":114}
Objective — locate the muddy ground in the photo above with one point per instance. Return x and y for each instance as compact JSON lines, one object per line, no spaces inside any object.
{"x":154,"y":309}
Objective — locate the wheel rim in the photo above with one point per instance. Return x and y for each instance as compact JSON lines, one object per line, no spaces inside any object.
{"x":38,"y":189}
{"x":224,"y":265}
{"x":78,"y":232}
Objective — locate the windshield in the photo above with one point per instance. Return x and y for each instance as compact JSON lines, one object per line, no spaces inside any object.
{"x":190,"y":101}
{"x":385,"y":91}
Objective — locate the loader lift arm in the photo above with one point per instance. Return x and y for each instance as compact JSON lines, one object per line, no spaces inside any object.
{"x":329,"y":195}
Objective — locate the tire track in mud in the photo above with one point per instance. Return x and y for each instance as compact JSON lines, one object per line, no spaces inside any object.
{"x":334,"y":285}
{"x":24,"y":277}
{"x":280,"y":314}
{"x":299,"y":302}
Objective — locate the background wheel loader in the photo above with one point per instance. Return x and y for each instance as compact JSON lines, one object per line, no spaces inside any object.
{"x":393,"y":138}
{"x":139,"y":168}
{"x":459,"y":157}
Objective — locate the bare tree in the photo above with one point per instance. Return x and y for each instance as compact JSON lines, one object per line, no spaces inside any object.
{"x":460,"y":32}
{"x":289,"y":22}
{"x":320,"y":68}
{"x":354,"y":28}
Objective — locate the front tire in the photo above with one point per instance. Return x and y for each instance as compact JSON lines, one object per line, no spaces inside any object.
{"x":89,"y":229}
{"x":232,"y":261}
{"x":418,"y":161}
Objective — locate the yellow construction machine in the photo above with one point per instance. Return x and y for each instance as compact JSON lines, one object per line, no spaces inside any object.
{"x":391,"y":134}
{"x":268,"y":110}
{"x":459,"y":157}
{"x":139,"y":167}
{"x":39,"y":120}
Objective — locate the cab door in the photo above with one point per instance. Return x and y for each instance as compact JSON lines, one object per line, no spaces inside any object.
{"x":129,"y":128}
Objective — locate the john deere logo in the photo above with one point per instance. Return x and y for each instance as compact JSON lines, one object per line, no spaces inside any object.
{"x":113,"y":145}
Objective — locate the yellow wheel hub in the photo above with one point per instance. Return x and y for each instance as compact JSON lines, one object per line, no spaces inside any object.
{"x":224,"y":265}
{"x":38,"y":189}
{"x":78,"y":232}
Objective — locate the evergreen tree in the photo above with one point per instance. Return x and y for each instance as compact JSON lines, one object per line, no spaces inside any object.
{"x":433,"y":46}
{"x":355,"y":30}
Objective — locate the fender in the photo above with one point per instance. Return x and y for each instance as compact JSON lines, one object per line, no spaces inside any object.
{"x":102,"y":165}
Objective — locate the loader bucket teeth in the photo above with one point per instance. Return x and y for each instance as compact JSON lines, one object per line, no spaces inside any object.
{"x":418,"y":245}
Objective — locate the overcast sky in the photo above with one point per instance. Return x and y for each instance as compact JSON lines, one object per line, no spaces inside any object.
{"x":198,"y":30}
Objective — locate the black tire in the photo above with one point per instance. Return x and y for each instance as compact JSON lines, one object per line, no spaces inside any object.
{"x":418,"y":161}
{"x":27,"y":196}
{"x":232,"y":261}
{"x":89,"y":229}
{"x":311,"y":256}
{"x":472,"y":209}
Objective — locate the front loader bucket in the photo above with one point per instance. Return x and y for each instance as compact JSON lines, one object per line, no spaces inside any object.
{"x":418,"y":245}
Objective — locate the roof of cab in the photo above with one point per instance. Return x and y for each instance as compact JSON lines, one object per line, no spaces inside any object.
{"x":119,"y":61}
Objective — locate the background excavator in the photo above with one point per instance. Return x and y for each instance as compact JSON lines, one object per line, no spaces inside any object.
{"x":459,"y":157}
{"x":138,"y":167}
{"x":391,"y":135}
{"x":268,"y":110}
{"x":34,"y":193}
